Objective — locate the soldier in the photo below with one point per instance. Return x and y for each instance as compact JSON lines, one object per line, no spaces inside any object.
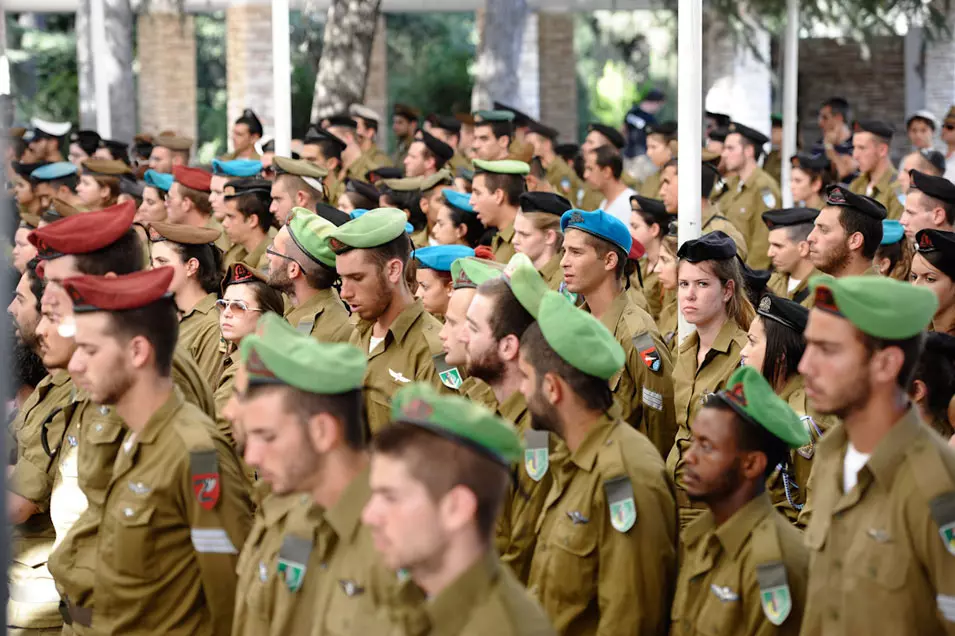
{"x":433,"y":276}
{"x":190,"y":252}
{"x":605,"y":560}
{"x":493,"y":134}
{"x":56,"y":181}
{"x":649,"y":225}
{"x":99,"y":183}
{"x":594,"y":263}
{"x":934,"y":267}
{"x":658,"y":139}
{"x":83,"y":143}
{"x":835,"y":117}
{"x":808,"y":180}
{"x":302,"y":265}
{"x":870,"y":148}
{"x":325,"y":150}
{"x":557,"y":172}
{"x":773,"y":164}
{"x":366,"y":122}
{"x":500,"y":312}
{"x":537,"y":233}
{"x":355,"y":163}
{"x":404,"y":124}
{"x":754,"y":193}
{"x":247,"y":222}
{"x":426,"y":155}
{"x":398,"y":335}
{"x":789,"y":252}
{"x":298,"y":184}
{"x":448,"y":129}
{"x":188,"y":202}
{"x":929,"y":205}
{"x":176,"y":506}
{"x":882,"y":533}
{"x":45,"y":139}
{"x":846,"y":234}
{"x":443,"y":453}
{"x":246,"y":132}
{"x":405,"y":194}
{"x":744,"y":567}
{"x":430,"y":199}
{"x":155,"y":190}
{"x":222,"y":173}
{"x":168,"y":152}
{"x":603,"y":168}
{"x":498,"y":186}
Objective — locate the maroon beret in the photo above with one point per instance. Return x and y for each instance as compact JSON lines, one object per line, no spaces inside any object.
{"x":83,"y":233}
{"x":194,"y":178}
{"x":116,"y":293}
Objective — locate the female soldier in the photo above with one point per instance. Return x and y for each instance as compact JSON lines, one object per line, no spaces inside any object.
{"x":933,"y":389}
{"x":153,"y":207}
{"x":358,"y":195}
{"x":99,"y":185}
{"x":934,"y":267}
{"x":433,"y":275}
{"x":894,"y":256}
{"x":457,"y":223}
{"x":649,"y":224}
{"x":28,"y":204}
{"x":808,"y":180}
{"x":537,"y":233}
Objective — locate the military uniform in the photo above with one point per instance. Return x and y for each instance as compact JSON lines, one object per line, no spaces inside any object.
{"x":651,"y":287}
{"x":502,"y":244}
{"x":596,"y":568}
{"x":773,"y":164}
{"x":744,"y":206}
{"x":478,"y":391}
{"x":223,"y":242}
{"x":589,"y":198}
{"x":458,"y":162}
{"x":225,"y":386}
{"x":724,"y":569}
{"x":713,"y":220}
{"x":562,"y":177}
{"x":886,"y":191}
{"x":232,"y":156}
{"x":669,"y":322}
{"x":199,"y":334}
{"x":779,"y":285}
{"x":650,"y":187}
{"x":553,"y":273}
{"x":691,"y":384}
{"x":335,"y":188}
{"x":257,"y":258}
{"x":401,"y":151}
{"x":323,"y":316}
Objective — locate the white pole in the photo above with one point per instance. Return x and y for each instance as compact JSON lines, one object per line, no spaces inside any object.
{"x":104,"y":124}
{"x":4,"y":62}
{"x":281,"y":79}
{"x":690,"y":116}
{"x":790,"y":88}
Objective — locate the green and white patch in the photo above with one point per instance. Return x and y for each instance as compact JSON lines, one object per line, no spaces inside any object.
{"x":774,"y":595}
{"x":623,"y":508}
{"x":536,"y":454}
{"x":293,"y":560}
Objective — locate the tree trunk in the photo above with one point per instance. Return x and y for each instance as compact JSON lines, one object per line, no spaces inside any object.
{"x":346,"y":51}
{"x":122,"y":93}
{"x":499,"y":52}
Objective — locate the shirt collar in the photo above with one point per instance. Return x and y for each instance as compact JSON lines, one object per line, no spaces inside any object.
{"x":586,"y":454}
{"x":737,"y":529}
{"x":161,"y":417}
{"x":444,"y":610}
{"x":345,"y":516}
{"x":891,"y":450}
{"x":204,"y":306}
{"x":513,"y":408}
{"x":507,"y":233}
{"x":405,"y":319}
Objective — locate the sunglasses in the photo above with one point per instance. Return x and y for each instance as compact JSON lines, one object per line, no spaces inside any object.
{"x":235,"y":306}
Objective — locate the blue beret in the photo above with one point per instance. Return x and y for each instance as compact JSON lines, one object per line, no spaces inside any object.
{"x":892,"y":232}
{"x":459,"y":200}
{"x":354,"y":214}
{"x":53,"y":171}
{"x":440,"y":257}
{"x":599,"y":224}
{"x":237,"y":167}
{"x":158,"y":180}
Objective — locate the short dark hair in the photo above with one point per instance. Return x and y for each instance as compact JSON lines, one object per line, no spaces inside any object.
{"x":784,"y":349}
{"x":512,"y":184}
{"x":158,"y":323}
{"x":441,"y":464}
{"x":199,"y":199}
{"x":752,"y":437}
{"x":608,"y":157}
{"x":37,"y":282}
{"x":839,"y":106}
{"x":428,"y":154}
{"x":252,"y":204}
{"x":911,"y":348}
{"x":933,"y":203}
{"x":708,"y":177}
{"x":603,"y":248}
{"x":936,"y":369}
{"x":70,"y":181}
{"x":746,"y":141}
{"x":210,"y":263}
{"x":348,"y":408}
{"x":475,"y":229}
{"x":330,"y":149}
{"x":123,"y":256}
{"x":853,"y":221}
{"x":293,"y":183}
{"x":509,"y":316}
{"x":800,"y":232}
{"x":595,"y":392}
{"x":498,"y":128}
{"x":255,"y":126}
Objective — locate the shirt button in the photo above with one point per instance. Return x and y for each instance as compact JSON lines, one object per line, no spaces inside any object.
{"x":837,"y":564}
{"x":128,"y":512}
{"x":834,"y":614}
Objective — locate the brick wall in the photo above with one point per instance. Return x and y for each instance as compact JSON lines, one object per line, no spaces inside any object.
{"x":249,"y":63}
{"x":557,"y":62}
{"x":167,"y":61}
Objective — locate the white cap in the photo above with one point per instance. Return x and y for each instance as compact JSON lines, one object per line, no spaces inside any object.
{"x":923,"y":114}
{"x":51,"y":128}
{"x":360,"y":110}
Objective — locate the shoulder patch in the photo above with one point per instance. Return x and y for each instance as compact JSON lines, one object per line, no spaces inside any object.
{"x":206,"y":481}
{"x":450,"y":376}
{"x":943,"y":512}
{"x":647,"y":349}
{"x":536,"y":453}
{"x":623,"y":508}
{"x":293,"y":561}
{"x":774,"y":593}
{"x":305,"y":327}
{"x":768,"y":198}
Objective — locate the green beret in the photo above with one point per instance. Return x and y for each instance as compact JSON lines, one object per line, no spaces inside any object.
{"x":403,"y":184}
{"x":371,"y":229}
{"x":748,"y":393}
{"x":504,"y":166}
{"x":494,"y":115}
{"x":526,"y":283}
{"x":578,"y":338}
{"x":881,"y":307}
{"x":278,"y":354}
{"x":459,"y":420}
{"x":438,"y":178}
{"x":470,"y":272}
{"x":310,"y":232}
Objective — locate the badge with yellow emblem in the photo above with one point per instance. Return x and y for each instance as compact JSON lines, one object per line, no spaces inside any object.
{"x":293,"y":560}
{"x":774,"y":593}
{"x":943,"y":511}
{"x":450,"y":376}
{"x":623,"y":509}
{"x":536,"y":454}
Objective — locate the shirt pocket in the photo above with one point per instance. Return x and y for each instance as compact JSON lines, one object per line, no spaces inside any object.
{"x":881,"y":560}
{"x":99,"y":443}
{"x":573,"y":564}
{"x":717,"y":617}
{"x":132,"y":545}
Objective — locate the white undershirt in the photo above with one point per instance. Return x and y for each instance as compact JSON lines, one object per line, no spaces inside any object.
{"x":373,"y":343}
{"x":851,"y":465}
{"x":793,"y":284}
{"x":619,"y":207}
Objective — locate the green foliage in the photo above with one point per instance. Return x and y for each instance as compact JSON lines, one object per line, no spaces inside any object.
{"x":43,"y":74}
{"x":307,"y":31}
{"x":211,"y":94}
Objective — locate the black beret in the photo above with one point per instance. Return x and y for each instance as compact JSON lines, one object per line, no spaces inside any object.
{"x":612,"y":134}
{"x":935,"y":158}
{"x":936,"y":187}
{"x":654,"y":207}
{"x":262,"y":188}
{"x":817,"y":162}
{"x":789,"y":216}
{"x":129,"y":185}
{"x":363,"y":188}
{"x":119,"y":149}
{"x":445,"y":122}
{"x":940,"y":243}
{"x":542,"y":130}
{"x":752,"y":134}
{"x":722,"y":121}
{"x":342,"y":120}
{"x":544,"y":202}
{"x":24,"y":169}
{"x":440,"y":149}
{"x":520,"y":119}
{"x":385,"y":172}
{"x":784,"y":311}
{"x":88,"y":140}
{"x":269,"y":146}
{"x":316,"y":134}
{"x":877,"y":128}
{"x":719,"y":134}
{"x":756,"y":280}
{"x":665,"y":128}
{"x":840,"y":196}
{"x":713,"y":246}
{"x":332,"y":214}
{"x":567,"y":151}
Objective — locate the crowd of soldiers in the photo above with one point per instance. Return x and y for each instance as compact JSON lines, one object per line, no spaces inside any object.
{"x":443,"y":392}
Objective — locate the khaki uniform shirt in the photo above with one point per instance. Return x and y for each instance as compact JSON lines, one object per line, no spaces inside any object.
{"x":561,"y":176}
{"x":589,"y":198}
{"x":478,"y":391}
{"x":223,"y":393}
{"x":199,"y":334}
{"x":553,"y":273}
{"x":882,"y":556}
{"x":650,"y":186}
{"x":744,"y":206}
{"x":323,"y":316}
{"x":401,"y":151}
{"x":502,"y":244}
{"x":266,"y":597}
{"x":605,"y":561}
{"x":886,"y":191}
{"x":404,"y":356}
{"x":713,"y":220}
{"x":176,"y":508}
{"x":773,"y":165}
{"x":232,"y":156}
{"x":419,"y":238}
{"x":726,"y":571}
{"x":668,"y":323}
{"x":652,"y":288}
{"x":223,"y":242}
{"x":644,"y":387}
{"x":779,"y":285}
{"x":256,"y":259}
{"x":691,"y":384}
{"x":375,"y":157}
{"x":458,"y":162}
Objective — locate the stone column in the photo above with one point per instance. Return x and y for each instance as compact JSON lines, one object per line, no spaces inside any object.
{"x":558,"y":73}
{"x":249,"y":63}
{"x":167,"y":75}
{"x":940,"y":69}
{"x":528,"y":70}
{"x":736,"y":80}
{"x":376,"y":86}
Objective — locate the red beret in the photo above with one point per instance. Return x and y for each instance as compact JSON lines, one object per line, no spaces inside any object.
{"x":194,"y":178}
{"x":116,"y":293}
{"x":83,"y":233}
{"x":637,"y":250}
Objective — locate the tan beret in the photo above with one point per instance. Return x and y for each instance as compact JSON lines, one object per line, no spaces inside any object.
{"x":105,"y":167}
{"x":185,"y":234}
{"x":439,"y":177}
{"x":298,"y":167}
{"x":173,"y":142}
